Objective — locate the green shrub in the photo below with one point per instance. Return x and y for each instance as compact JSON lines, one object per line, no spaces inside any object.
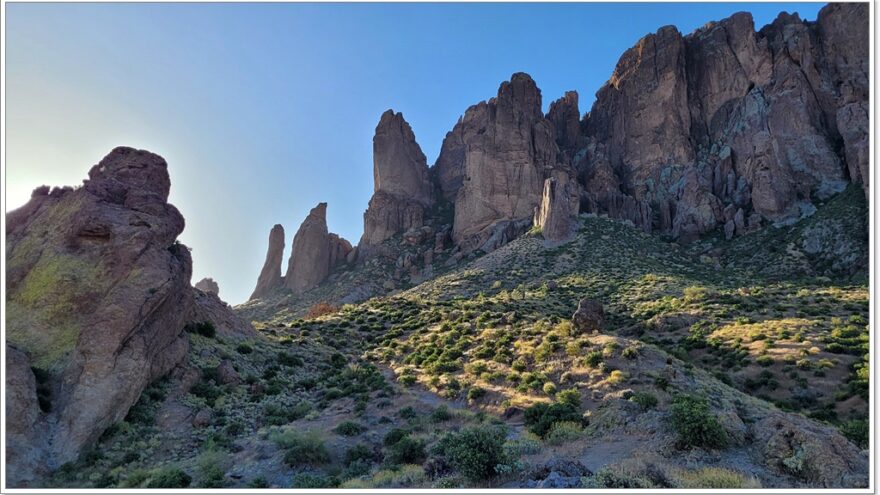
{"x":695,"y":424}
{"x":475,"y":393}
{"x":349,"y":429}
{"x":714,"y":478}
{"x":646,"y":400}
{"x":858,"y":431}
{"x":549,"y":388}
{"x":593,"y":359}
{"x":611,"y":478}
{"x":204,"y":328}
{"x":564,"y":432}
{"x":168,"y":477}
{"x":394,"y":435}
{"x":288,"y":359}
{"x":540,"y":417}
{"x":359,"y":452}
{"x":570,"y":396}
{"x":441,"y":414}
{"x":244,"y":349}
{"x":475,"y":452}
{"x":407,"y":450}
{"x":211,"y":469}
{"x":301,"y":448}
{"x":311,"y":480}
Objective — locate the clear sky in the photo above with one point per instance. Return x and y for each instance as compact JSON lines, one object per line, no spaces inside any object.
{"x":264,"y":110}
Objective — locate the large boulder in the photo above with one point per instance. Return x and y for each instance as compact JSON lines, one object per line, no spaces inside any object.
{"x":98,"y":290}
{"x":208,"y":285}
{"x":589,"y":317}
{"x":270,"y":276}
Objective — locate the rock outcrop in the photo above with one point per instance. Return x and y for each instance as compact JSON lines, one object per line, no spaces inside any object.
{"x":315,"y":252}
{"x":727,"y":119}
{"x":270,"y":276}
{"x":556,"y":216}
{"x":208,"y":285}
{"x":98,"y":290}
{"x":494,"y":162}
{"x":402,"y":190}
{"x":208,"y":307}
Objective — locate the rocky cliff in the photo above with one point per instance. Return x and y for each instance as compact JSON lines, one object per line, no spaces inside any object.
{"x":402,"y":191}
{"x":726,"y":129}
{"x":98,"y":292}
{"x":270,"y":276}
{"x":728,"y":124}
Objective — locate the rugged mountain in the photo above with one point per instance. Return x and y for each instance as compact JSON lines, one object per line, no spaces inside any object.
{"x":729,"y":122}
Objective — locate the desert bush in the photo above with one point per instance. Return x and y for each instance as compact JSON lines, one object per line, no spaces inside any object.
{"x":168,"y":477}
{"x":349,"y":429}
{"x":858,"y":431}
{"x":646,"y":400}
{"x":540,"y":417}
{"x":475,"y":452}
{"x":593,"y":359}
{"x":320,"y":309}
{"x":714,"y":477}
{"x":301,"y":448}
{"x":695,"y":424}
{"x":407,"y":450}
{"x":564,"y":432}
{"x":615,"y":478}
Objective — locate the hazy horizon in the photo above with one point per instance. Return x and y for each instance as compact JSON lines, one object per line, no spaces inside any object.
{"x":264,"y":110}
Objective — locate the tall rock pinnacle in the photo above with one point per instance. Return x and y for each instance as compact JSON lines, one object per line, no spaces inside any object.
{"x":270,"y":276}
{"x":402,"y":190}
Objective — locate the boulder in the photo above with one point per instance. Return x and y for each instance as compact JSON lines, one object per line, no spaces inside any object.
{"x":270,"y":276}
{"x":208,"y":285}
{"x":98,"y":293}
{"x":228,"y":325}
{"x":227,"y":374}
{"x":589,"y":317}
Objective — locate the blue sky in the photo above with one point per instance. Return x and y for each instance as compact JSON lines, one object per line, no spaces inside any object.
{"x":264,"y":110}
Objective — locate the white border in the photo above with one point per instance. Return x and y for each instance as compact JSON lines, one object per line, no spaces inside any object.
{"x":871,"y":289}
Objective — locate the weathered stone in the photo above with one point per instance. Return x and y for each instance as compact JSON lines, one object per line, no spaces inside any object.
{"x":208,"y":285}
{"x":227,"y":374}
{"x":589,"y":317}
{"x":202,"y":418}
{"x":24,"y":446}
{"x":401,"y":189}
{"x":565,"y":117}
{"x":112,"y":321}
{"x":227,"y":324}
{"x":493,"y":163}
{"x":270,"y":276}
{"x":556,"y":216}
{"x":315,"y":252}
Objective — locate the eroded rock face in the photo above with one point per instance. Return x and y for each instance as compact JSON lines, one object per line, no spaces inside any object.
{"x":556,"y":216}
{"x":402,"y":190}
{"x":270,"y":276}
{"x":209,"y":307}
{"x":729,"y":118}
{"x":493,"y":163}
{"x":98,"y":292}
{"x":208,"y":285}
{"x":315,"y":252}
{"x":23,"y":443}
